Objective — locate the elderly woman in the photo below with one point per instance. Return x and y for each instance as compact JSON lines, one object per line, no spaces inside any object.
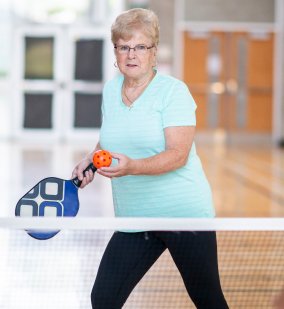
{"x":148,"y":125}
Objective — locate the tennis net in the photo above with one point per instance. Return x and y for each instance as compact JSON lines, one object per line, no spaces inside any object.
{"x":59,"y":273}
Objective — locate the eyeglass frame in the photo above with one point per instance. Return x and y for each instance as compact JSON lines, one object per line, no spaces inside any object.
{"x":134,"y":48}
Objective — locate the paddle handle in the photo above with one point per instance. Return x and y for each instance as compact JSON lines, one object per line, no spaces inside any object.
{"x":78,"y":182}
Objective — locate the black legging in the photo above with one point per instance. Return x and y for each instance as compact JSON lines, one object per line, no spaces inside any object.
{"x":129,"y":256}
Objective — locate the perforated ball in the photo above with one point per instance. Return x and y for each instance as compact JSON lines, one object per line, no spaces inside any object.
{"x":102,"y":158}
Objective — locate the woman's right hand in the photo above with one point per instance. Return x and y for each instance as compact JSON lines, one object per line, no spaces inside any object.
{"x":78,"y":172}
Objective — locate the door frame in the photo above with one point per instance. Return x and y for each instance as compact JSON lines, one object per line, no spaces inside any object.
{"x":276,"y":27}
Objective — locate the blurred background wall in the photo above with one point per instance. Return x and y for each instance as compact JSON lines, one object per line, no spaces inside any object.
{"x":56,"y":55}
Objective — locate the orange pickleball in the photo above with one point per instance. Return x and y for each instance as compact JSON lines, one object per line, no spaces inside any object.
{"x":102,"y":158}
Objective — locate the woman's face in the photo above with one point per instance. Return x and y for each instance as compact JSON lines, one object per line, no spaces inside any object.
{"x":134,"y":64}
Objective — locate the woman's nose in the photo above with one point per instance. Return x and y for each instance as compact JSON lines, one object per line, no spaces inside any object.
{"x":131,"y":54}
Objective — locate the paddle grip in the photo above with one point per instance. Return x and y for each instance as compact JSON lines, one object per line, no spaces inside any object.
{"x":78,"y":182}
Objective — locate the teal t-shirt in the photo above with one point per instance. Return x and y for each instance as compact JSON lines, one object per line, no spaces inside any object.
{"x":138,"y":132}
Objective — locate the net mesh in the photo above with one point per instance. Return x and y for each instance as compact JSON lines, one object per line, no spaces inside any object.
{"x":59,"y":272}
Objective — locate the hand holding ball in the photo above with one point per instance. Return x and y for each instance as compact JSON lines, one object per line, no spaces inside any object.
{"x":102,"y":158}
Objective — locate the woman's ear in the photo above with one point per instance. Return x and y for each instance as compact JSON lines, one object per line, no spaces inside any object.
{"x":155,"y":51}
{"x":154,"y":56}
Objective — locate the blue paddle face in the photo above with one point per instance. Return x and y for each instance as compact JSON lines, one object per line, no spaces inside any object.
{"x":51,"y":197}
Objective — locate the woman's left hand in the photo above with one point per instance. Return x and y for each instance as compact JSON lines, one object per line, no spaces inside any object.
{"x":124,"y":167}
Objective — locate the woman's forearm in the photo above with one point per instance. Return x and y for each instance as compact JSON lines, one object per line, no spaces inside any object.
{"x":161,"y":163}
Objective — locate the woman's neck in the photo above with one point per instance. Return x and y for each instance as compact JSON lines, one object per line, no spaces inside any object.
{"x":132,"y":89}
{"x":138,"y":83}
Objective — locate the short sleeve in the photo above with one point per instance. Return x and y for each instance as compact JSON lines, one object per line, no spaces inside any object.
{"x":103,"y":104}
{"x":179,"y":107}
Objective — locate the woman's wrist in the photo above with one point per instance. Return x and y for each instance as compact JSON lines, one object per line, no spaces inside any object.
{"x":89,"y":157}
{"x":135,"y":167}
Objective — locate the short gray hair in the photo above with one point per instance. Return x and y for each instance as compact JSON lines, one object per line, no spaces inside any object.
{"x":136,"y":19}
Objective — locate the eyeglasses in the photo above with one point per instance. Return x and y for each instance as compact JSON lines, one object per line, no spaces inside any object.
{"x":139,"y":49}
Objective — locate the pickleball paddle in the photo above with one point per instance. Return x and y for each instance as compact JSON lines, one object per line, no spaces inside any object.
{"x":56,"y":197}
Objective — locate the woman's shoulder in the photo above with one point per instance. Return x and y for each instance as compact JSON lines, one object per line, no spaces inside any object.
{"x":170,"y":81}
{"x":113,"y":83}
{"x":168,"y":85}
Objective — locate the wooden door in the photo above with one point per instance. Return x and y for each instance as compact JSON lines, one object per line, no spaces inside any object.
{"x":230,"y":75}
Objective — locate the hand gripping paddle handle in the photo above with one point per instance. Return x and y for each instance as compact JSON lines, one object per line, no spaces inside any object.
{"x":78,"y":182}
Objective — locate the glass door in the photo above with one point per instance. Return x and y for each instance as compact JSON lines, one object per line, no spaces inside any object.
{"x":58,"y":80}
{"x":37,"y":71}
